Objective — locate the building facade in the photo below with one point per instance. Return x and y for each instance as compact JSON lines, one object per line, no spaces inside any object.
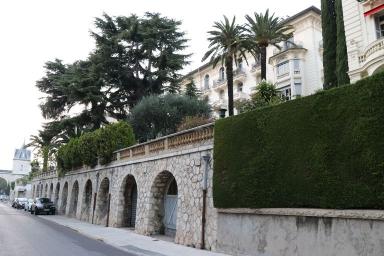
{"x":21,"y":165}
{"x":22,"y":161}
{"x":364,"y":32}
{"x":296,"y":69}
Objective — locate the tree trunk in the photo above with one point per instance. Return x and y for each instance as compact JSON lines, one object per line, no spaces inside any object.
{"x":263,"y":60}
{"x":45,"y":150}
{"x":229,"y":73}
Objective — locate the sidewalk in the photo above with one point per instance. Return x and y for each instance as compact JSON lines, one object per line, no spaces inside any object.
{"x":127,"y":240}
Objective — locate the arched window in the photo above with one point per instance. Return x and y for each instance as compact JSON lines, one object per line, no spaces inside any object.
{"x":221,"y":73}
{"x":206,"y":82}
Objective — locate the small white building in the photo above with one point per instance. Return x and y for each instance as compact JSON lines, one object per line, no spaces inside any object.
{"x":364,"y":32}
{"x":296,"y":69}
{"x":21,"y":168}
{"x":22,"y":161}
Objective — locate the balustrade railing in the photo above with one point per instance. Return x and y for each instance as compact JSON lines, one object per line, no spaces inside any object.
{"x":173,"y":141}
{"x":46,"y":174}
{"x":218,"y":82}
{"x":371,"y":49}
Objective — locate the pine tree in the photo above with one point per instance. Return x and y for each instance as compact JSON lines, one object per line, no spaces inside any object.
{"x":191,"y":89}
{"x":341,"y":47}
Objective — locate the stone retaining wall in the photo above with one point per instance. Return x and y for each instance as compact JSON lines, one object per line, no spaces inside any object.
{"x":179,"y":156}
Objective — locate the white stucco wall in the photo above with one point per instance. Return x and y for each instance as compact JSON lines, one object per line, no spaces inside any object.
{"x":365,"y":50}
{"x":279,"y":233}
{"x":307,"y":33}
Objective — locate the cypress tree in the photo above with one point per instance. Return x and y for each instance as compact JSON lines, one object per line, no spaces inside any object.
{"x":328,"y":19}
{"x":341,"y":47}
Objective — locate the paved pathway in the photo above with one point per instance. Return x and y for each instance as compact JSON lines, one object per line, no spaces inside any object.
{"x":128,"y":240}
{"x":23,"y":234}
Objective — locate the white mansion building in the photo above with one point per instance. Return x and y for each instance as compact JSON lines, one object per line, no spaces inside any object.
{"x":296,"y":69}
{"x":364,"y":32}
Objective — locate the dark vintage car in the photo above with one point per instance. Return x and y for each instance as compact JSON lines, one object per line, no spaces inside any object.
{"x":43,"y":205}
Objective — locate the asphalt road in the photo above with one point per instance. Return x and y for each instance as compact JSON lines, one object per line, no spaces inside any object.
{"x":23,"y":234}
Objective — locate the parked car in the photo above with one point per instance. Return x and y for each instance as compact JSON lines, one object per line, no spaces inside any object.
{"x":21,"y":202}
{"x":43,"y":205}
{"x":28,"y":204}
{"x":14,"y":202}
{"x":3,"y":198}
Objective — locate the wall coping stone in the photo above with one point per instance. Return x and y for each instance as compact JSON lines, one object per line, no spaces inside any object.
{"x":167,"y":136}
{"x":144,"y":159}
{"x":327,"y":213}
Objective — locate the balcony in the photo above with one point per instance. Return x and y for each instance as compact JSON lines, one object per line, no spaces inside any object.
{"x":372,"y":51}
{"x":240,"y":96}
{"x":256,"y":67}
{"x":287,"y":52}
{"x":220,"y":103}
{"x":289,"y":46}
{"x":239,"y":74}
{"x":219,"y":83}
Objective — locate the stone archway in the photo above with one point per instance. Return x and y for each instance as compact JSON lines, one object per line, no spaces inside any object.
{"x":37,"y":190}
{"x":46,"y":190}
{"x":102,"y":203}
{"x":86,"y":205}
{"x":64,"y":197}
{"x":126,"y":215}
{"x":74,"y":199}
{"x":41,"y":190}
{"x":164,"y":197}
{"x":50,"y":196}
{"x":57,"y":195}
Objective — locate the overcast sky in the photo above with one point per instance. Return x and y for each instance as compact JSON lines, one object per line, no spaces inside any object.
{"x":33,"y":32}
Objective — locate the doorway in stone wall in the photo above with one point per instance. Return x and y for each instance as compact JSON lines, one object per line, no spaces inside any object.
{"x":163,"y":205}
{"x":102,"y":203}
{"x":170,"y":209}
{"x":64,"y":197}
{"x":128,"y":202}
{"x":86,"y":205}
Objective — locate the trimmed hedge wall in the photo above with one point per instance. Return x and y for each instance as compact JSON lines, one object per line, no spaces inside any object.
{"x":321,"y":151}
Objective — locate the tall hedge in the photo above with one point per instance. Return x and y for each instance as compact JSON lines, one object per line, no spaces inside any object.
{"x":322,"y":151}
{"x":93,"y":146}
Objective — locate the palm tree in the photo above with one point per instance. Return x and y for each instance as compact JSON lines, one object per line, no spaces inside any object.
{"x":267,"y":30}
{"x":46,"y":144}
{"x":227,"y":44}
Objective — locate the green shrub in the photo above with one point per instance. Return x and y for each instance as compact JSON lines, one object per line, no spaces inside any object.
{"x":89,"y":147}
{"x":266,"y":95}
{"x":322,"y":151}
{"x":88,"y":150}
{"x":156,"y":115}
{"x":112,"y":138}
{"x":190,"y":122}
